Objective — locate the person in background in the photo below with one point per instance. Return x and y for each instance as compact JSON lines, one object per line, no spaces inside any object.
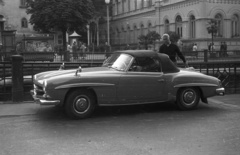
{"x":48,"y":48}
{"x":212,"y":47}
{"x":171,"y":50}
{"x":225,"y":49}
{"x":107,"y":50}
{"x":127,"y":47}
{"x":83,"y":50}
{"x":221,"y":53}
{"x":195,"y":48}
{"x":209,"y":47}
{"x":74,"y":50}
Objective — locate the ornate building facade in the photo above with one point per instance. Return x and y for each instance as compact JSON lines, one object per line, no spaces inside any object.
{"x":188,"y":18}
{"x":14,"y":17}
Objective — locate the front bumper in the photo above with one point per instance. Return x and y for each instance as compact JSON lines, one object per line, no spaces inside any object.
{"x":43,"y":101}
{"x":220,"y":91}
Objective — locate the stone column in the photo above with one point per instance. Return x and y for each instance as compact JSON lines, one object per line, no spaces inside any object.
{"x":17,"y":78}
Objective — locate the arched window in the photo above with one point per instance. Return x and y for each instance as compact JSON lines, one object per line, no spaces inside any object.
{"x":219,"y":20}
{"x":192,"y":29}
{"x":128,"y":34}
{"x":24,"y":23}
{"x":166,"y":25}
{"x":235,"y":26}
{"x":179,"y":25}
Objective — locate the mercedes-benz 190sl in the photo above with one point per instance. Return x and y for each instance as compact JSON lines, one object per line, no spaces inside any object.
{"x":126,"y":78}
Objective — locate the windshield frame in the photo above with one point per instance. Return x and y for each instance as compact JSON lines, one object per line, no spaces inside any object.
{"x":119,"y":61}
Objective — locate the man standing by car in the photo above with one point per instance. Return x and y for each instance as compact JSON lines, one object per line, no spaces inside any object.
{"x":171,"y":50}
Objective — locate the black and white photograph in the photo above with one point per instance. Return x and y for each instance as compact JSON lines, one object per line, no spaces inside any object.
{"x":119,"y":77}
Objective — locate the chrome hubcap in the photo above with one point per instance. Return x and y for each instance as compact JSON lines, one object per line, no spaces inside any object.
{"x":189,"y":97}
{"x":81,"y":105}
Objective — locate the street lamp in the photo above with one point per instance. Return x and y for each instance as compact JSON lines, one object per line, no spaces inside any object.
{"x":108,"y":37}
{"x":88,"y":34}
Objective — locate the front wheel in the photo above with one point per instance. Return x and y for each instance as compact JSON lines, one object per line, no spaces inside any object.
{"x":188,"y":98}
{"x":80,"y":104}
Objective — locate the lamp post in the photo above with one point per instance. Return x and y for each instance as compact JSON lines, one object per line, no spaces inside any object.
{"x":88,"y":34}
{"x":108,"y":37}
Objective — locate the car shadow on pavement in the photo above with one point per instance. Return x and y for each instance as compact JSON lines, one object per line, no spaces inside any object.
{"x":58,"y":113}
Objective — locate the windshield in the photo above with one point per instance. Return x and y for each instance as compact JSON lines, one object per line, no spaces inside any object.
{"x":118,"y":61}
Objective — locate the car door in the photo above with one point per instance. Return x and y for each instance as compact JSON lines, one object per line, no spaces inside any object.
{"x":142,"y":85}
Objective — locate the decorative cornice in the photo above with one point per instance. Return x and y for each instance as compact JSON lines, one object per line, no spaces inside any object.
{"x":224,"y":1}
{"x":178,"y":5}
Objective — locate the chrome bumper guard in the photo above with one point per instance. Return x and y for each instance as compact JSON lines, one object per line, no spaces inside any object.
{"x":43,"y":101}
{"x":220,"y":91}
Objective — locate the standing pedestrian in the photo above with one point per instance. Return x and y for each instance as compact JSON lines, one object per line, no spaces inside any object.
{"x":195,"y":48}
{"x":225,"y":49}
{"x":74,"y":50}
{"x":107,"y":50}
{"x":221,"y":53}
{"x":171,"y":50}
{"x":209,"y":47}
{"x":83,"y":50}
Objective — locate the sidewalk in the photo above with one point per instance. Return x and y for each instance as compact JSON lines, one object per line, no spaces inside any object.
{"x":18,"y":109}
{"x":31,"y":108}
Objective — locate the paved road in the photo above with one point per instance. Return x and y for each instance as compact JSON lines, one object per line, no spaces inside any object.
{"x":212,"y":129}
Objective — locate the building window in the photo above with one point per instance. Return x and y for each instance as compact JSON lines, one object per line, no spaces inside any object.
{"x":24,"y":23}
{"x":142,"y":29}
{"x":135,"y":34}
{"x":135,"y":4}
{"x":142,"y":4}
{"x":123,"y":5}
{"x":22,"y":3}
{"x":149,"y":3}
{"x":166,"y":26}
{"x":219,"y":20}
{"x":128,"y":35}
{"x":179,"y":25}
{"x":129,"y":5}
{"x":149,"y":27}
{"x":235,"y":26}
{"x":118,"y":36}
{"x":192,"y":26}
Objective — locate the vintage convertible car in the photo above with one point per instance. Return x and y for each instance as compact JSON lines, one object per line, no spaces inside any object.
{"x":125,"y":78}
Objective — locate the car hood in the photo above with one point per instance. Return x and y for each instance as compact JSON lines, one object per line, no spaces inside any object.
{"x":72,"y":73}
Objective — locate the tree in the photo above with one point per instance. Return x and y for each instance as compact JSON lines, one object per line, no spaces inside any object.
{"x":1,"y":2}
{"x":174,"y":37}
{"x":60,"y":15}
{"x":150,"y":38}
{"x":212,"y":28}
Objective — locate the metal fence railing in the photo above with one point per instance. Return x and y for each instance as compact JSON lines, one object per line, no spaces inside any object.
{"x":191,"y":56}
{"x":227,"y":71}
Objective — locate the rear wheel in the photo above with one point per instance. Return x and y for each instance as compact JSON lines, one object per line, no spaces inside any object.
{"x":80,"y":104}
{"x":188,"y":98}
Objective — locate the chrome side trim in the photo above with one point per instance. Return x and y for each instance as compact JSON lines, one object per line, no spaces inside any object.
{"x":84,"y":85}
{"x":195,"y":84}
